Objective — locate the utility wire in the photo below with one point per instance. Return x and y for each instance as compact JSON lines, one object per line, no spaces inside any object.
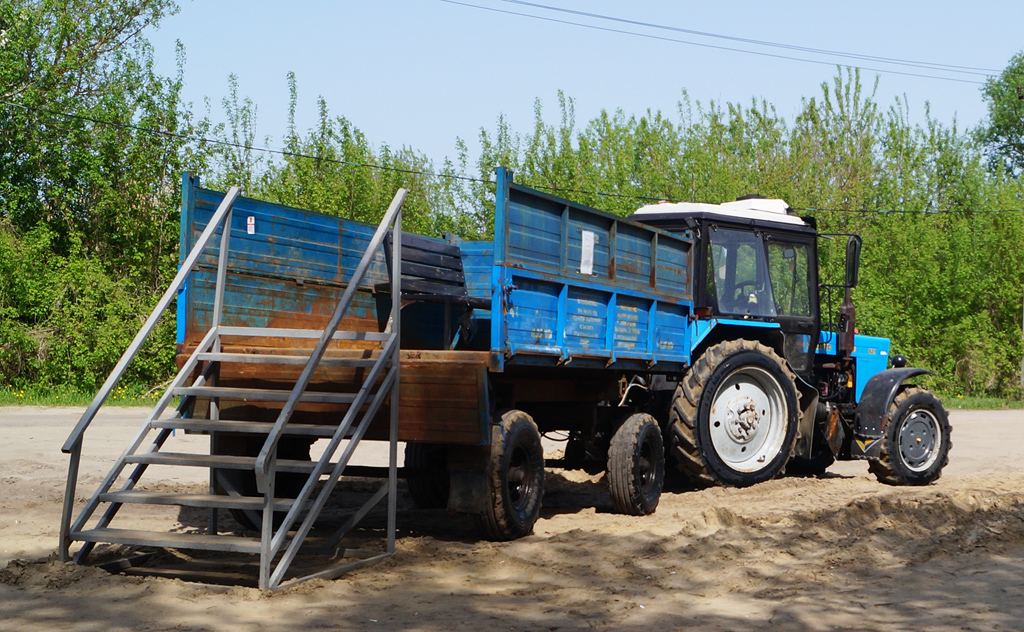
{"x":704,"y":45}
{"x":865,"y":211}
{"x":290,"y":154}
{"x":819,"y":51}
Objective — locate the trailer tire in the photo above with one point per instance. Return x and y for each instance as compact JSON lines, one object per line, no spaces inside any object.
{"x":636,"y":466}
{"x":916,"y":440}
{"x":426,"y":466}
{"x":739,"y":446}
{"x":515,"y":479}
{"x":286,"y":484}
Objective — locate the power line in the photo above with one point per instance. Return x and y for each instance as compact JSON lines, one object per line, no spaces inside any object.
{"x":291,"y":154}
{"x":704,"y":45}
{"x":560,"y":190}
{"x":820,"y":51}
{"x":865,"y":211}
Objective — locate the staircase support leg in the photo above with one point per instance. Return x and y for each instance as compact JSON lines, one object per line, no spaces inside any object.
{"x":213,"y":527}
{"x":64,"y":550}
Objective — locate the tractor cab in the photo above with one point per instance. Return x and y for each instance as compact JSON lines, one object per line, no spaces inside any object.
{"x":755,"y":264}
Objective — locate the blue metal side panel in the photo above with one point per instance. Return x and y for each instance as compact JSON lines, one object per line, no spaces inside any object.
{"x":573,"y":284}
{"x":631,"y":326}
{"x":267,"y":302}
{"x":586,"y":317}
{"x":566,"y":321}
{"x":477,"y":265}
{"x":533,"y":313}
{"x":578,"y":222}
{"x":872,"y":356}
{"x":288,"y":242}
{"x":535,"y":234}
{"x":673,"y":266}
{"x":633,"y":255}
{"x":188,"y":203}
{"x":672,"y":333}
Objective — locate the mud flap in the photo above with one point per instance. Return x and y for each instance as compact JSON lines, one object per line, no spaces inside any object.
{"x":467,"y":475}
{"x":873,"y":410}
{"x":468,"y":491}
{"x":808,"y":400}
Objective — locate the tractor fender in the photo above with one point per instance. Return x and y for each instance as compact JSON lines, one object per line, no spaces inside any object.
{"x":873,"y":408}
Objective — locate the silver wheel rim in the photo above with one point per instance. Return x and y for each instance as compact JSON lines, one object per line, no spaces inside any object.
{"x":748,"y":419}
{"x":918,"y":440}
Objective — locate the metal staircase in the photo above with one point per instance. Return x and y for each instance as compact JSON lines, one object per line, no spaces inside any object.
{"x":280,"y":539}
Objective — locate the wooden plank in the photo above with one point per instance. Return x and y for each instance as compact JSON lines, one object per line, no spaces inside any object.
{"x":435,"y":273}
{"x":412,"y":240}
{"x":431,"y":258}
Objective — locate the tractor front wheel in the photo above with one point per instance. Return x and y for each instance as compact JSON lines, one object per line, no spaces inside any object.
{"x":916,"y":441}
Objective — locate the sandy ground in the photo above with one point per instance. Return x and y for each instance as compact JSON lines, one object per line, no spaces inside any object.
{"x":840,"y":552}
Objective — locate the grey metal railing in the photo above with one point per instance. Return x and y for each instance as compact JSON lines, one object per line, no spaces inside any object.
{"x":266,"y":462}
{"x":381,"y":382}
{"x":73,"y":445}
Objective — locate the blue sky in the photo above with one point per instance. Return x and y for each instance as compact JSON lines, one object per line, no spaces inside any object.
{"x":420,"y":73}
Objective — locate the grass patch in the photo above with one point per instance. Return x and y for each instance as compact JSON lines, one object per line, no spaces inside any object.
{"x":969,"y":402}
{"x":64,"y":396}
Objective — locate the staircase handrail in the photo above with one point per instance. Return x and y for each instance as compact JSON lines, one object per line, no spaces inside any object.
{"x":129,"y":354}
{"x":269,"y":446}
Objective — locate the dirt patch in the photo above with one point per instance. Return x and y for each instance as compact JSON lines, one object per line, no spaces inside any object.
{"x":840,"y":552}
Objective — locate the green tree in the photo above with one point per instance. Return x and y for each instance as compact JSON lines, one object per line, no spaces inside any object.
{"x":92,"y":146}
{"x":1004,"y":133}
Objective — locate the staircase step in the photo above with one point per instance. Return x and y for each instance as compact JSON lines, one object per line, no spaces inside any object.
{"x":248,"y":427}
{"x":270,"y":358}
{"x":262,"y":394}
{"x":200,"y":541}
{"x":218,"y":501}
{"x":217,"y":461}
{"x":314,"y":334}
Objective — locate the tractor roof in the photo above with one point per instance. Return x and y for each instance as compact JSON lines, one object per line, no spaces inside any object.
{"x":745,"y":210}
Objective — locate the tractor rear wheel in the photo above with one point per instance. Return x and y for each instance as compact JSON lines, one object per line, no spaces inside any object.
{"x":734,"y":416}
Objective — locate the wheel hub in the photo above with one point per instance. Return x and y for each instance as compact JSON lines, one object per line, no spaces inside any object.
{"x":918,"y":439}
{"x":748,"y":419}
{"x":742,"y":419}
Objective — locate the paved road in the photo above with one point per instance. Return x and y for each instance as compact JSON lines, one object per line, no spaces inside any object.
{"x":982,"y":439}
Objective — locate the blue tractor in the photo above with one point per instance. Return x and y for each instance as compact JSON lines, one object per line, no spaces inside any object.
{"x":777,"y":380}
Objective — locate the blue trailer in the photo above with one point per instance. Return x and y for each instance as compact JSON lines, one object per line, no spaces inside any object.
{"x":686,"y":336}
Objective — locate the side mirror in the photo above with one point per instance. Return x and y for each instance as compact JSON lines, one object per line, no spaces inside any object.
{"x":853,"y":245}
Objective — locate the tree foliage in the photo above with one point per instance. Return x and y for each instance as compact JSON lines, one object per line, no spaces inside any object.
{"x":89,"y":210}
{"x":1004,"y":133}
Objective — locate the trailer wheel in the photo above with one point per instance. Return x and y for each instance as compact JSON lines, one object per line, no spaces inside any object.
{"x":916,"y":441}
{"x":243,"y":482}
{"x":734,"y":415}
{"x":636,"y":466}
{"x":426,"y":466}
{"x":515,"y":478}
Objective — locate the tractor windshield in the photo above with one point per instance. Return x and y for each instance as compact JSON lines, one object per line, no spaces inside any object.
{"x":737,"y":274}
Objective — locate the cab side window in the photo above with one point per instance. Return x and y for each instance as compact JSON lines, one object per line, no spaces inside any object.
{"x":789,"y":268}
